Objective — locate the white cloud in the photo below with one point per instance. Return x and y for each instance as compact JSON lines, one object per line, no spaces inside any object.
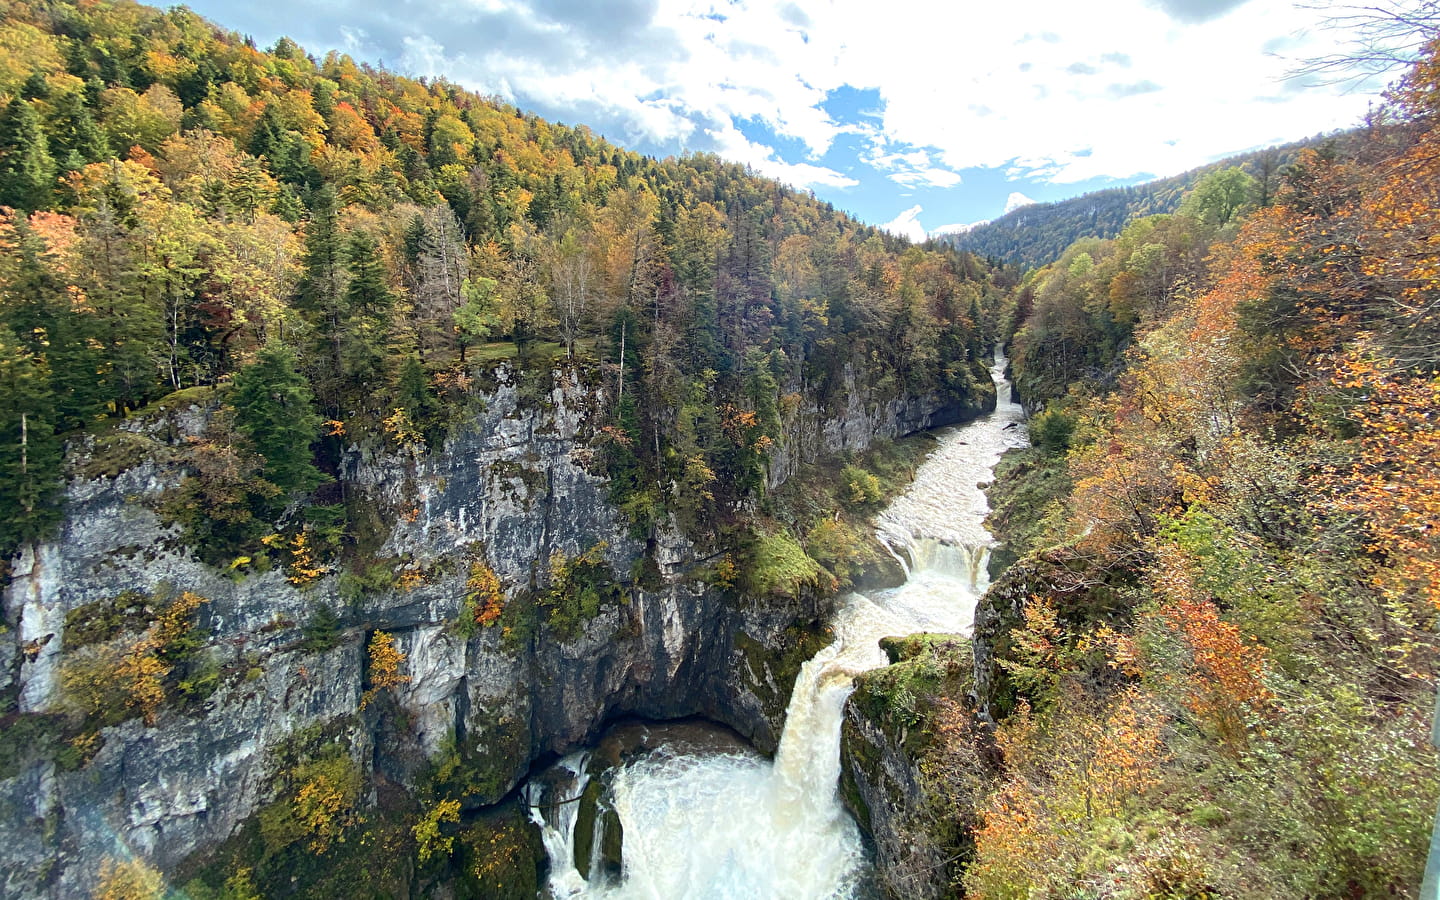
{"x":929,"y":177}
{"x":907,"y":225}
{"x":1016,"y":200}
{"x":1150,"y":86}
{"x":737,"y":147}
{"x":957,"y":229}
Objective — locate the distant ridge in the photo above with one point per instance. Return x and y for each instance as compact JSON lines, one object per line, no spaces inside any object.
{"x":1037,"y":234}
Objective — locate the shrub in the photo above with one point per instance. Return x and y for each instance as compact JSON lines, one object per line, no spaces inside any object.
{"x":861,"y":487}
{"x":1052,"y":430}
{"x":320,"y":803}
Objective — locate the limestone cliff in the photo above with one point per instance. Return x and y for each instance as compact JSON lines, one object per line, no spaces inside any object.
{"x":511,"y":486}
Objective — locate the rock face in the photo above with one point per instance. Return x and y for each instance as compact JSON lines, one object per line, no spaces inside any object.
{"x":882,"y":786}
{"x":815,"y":433}
{"x":510,"y":487}
{"x":913,"y":764}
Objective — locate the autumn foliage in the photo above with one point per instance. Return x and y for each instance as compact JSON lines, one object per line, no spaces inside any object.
{"x":1223,"y":665}
{"x":385,"y":662}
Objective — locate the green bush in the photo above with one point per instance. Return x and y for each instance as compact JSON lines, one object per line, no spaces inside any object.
{"x":1052,"y":430}
{"x":861,"y":488}
{"x":322,"y":632}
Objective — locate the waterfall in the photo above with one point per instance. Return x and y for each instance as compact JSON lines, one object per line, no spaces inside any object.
{"x":554,"y":802}
{"x":729,"y":825}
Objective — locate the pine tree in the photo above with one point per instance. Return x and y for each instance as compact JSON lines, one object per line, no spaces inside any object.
{"x":413,"y":394}
{"x":320,"y":286}
{"x":320,"y":293}
{"x":29,"y":449}
{"x":27,"y":171}
{"x":78,"y":139}
{"x":38,"y":312}
{"x":365,"y":328}
{"x":274,"y":408}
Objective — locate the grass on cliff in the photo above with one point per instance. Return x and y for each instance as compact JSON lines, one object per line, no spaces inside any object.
{"x":1025,"y":503}
{"x":821,"y":520}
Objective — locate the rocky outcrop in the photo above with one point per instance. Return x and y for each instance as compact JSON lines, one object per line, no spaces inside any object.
{"x":1060,"y":573}
{"x":914,"y":763}
{"x":813,"y":432}
{"x":510,"y":487}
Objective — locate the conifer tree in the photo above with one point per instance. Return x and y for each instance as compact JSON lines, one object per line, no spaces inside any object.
{"x":29,"y":449}
{"x":413,"y":394}
{"x":274,"y":408}
{"x":37,"y":309}
{"x":78,"y":139}
{"x":27,"y":171}
{"x":367,"y":304}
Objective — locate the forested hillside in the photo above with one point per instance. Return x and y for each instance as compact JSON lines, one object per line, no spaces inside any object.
{"x":1213,"y":664}
{"x":1036,"y":234}
{"x":334,"y":254}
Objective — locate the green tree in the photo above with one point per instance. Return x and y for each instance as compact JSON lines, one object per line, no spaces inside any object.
{"x":27,"y":171}
{"x":274,"y":408}
{"x":36,"y":306}
{"x":413,"y":394}
{"x":365,"y":329}
{"x":1220,"y":196}
{"x":29,"y":449}
{"x":477,"y":317}
{"x":78,"y":139}
{"x":320,"y":292}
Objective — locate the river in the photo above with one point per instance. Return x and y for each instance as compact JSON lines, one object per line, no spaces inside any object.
{"x":705,"y":817}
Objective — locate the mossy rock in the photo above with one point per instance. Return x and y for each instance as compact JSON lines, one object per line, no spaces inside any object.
{"x":900,"y":697}
{"x":1027,"y":485}
{"x":501,"y":856}
{"x":492,"y":760}
{"x":101,"y":620}
{"x":27,"y":737}
{"x":612,"y":843}
{"x":585,"y":820}
{"x":771,"y":673}
{"x":777,"y":566}
{"x":119,"y":451}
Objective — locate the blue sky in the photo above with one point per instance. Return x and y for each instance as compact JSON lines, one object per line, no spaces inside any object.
{"x":908,"y":113}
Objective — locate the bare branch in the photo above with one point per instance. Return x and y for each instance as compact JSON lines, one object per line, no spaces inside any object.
{"x":1383,"y":38}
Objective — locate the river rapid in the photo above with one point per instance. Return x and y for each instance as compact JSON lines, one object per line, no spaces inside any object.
{"x":707,"y":818}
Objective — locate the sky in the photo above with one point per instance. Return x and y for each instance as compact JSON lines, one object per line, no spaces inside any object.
{"x":913,"y":115}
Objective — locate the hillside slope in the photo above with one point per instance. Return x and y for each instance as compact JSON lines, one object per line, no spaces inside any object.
{"x":1038,"y":233}
{"x":366,"y":440}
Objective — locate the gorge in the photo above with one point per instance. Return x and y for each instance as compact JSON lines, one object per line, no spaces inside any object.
{"x":407,"y":495}
{"x":175,"y":788}
{"x":725,"y":824}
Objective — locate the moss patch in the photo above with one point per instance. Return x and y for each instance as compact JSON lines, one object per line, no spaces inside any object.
{"x":500,"y":857}
{"x":26,"y":738}
{"x":771,"y":673}
{"x":119,"y":451}
{"x":826,"y":509}
{"x":102,"y":620}
{"x":493,"y":756}
{"x":777,"y":566}
{"x":900,"y":697}
{"x":1024,"y":497}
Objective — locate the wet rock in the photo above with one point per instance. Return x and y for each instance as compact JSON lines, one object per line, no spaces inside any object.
{"x":912,"y":770}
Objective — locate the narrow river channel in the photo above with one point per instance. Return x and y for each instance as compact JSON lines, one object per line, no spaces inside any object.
{"x":706,"y":818}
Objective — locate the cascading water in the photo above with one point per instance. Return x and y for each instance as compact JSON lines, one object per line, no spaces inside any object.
{"x":730,"y":824}
{"x":554,"y":803}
